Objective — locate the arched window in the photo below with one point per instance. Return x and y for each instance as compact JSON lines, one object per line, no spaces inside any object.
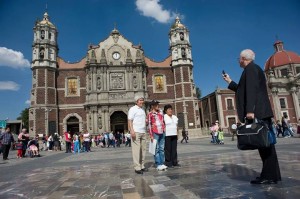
{"x":181,"y":36}
{"x":42,"y":53}
{"x":42,"y":34}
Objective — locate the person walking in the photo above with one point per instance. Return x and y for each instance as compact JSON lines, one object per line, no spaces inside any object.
{"x":6,"y":139}
{"x":184,"y":134}
{"x":171,"y":122}
{"x":68,"y":142}
{"x":156,"y":128}
{"x":24,"y":138}
{"x":137,"y":128}
{"x":252,"y":102}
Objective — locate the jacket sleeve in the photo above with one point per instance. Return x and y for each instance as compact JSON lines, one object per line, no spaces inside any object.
{"x":252,"y":88}
{"x":233,"y":86}
{"x":150,"y":125}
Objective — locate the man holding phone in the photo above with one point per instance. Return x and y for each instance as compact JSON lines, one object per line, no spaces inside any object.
{"x":252,"y":102}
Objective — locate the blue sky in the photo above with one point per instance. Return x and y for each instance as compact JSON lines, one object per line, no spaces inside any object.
{"x":219,"y":30}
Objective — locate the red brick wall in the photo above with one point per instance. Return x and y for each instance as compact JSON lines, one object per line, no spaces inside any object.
{"x":51,"y":78}
{"x":40,"y":77}
{"x":186,"y":74}
{"x":187,"y":90}
{"x":51,"y":96}
{"x":40,"y":121}
{"x":178,"y":88}
{"x":40,"y":96}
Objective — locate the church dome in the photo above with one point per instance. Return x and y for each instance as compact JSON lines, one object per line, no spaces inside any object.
{"x":177,"y":23}
{"x":281,"y":57}
{"x":46,"y":21}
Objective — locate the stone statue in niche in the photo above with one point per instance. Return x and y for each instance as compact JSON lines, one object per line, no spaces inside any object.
{"x":128,"y":53}
{"x":102,"y":53}
{"x":98,"y":83}
{"x":90,"y":82}
{"x":90,"y":121}
{"x":183,"y":53}
{"x":99,"y":122}
{"x":42,"y":53}
{"x":138,"y":54}
{"x":134,"y":82}
{"x":93,"y":54}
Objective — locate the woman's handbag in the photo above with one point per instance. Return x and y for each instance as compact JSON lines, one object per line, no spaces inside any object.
{"x":253,"y":136}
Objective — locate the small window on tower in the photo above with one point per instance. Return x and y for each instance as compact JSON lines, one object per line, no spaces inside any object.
{"x":72,"y":86}
{"x":49,"y":35}
{"x":181,"y":35}
{"x":42,"y":34}
{"x":42,"y":53}
{"x":283,"y":72}
{"x":183,"y":53}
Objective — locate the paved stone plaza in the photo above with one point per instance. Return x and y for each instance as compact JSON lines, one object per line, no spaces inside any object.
{"x":208,"y":171}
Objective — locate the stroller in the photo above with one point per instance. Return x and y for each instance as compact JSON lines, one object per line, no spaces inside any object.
{"x":33,"y":148}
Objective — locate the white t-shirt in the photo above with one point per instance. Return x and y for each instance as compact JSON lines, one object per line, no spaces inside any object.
{"x":171,"y":124}
{"x":138,"y":117}
{"x":86,"y":137}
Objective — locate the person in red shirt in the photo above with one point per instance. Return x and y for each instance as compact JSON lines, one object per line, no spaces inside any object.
{"x":156,"y":128}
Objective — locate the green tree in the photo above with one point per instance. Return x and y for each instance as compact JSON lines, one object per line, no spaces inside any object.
{"x":24,"y":116}
{"x":198,"y":93}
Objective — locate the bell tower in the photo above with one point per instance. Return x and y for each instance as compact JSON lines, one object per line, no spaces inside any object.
{"x":43,"y":113}
{"x":186,"y":102}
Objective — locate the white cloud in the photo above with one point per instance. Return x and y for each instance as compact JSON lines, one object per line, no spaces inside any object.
{"x":9,"y":85}
{"x":152,"y":8}
{"x":27,"y":102}
{"x":11,"y":58}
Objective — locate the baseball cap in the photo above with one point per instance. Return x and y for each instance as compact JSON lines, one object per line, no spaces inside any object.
{"x":154,"y":102}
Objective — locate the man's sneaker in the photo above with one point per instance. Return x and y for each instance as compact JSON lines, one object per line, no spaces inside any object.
{"x":164,"y":166}
{"x":160,"y":168}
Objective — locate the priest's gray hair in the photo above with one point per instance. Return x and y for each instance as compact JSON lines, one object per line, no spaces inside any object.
{"x":248,"y":54}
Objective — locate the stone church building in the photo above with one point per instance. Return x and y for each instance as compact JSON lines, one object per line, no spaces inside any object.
{"x":96,"y":93}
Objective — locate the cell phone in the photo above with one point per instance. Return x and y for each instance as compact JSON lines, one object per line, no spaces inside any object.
{"x":223,"y":72}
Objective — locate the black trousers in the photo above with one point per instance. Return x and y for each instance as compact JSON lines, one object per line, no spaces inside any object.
{"x":5,"y":148}
{"x":171,"y":150}
{"x":68,"y":147}
{"x":270,"y":169}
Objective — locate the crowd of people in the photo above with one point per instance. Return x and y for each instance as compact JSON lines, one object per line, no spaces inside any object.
{"x":22,"y":144}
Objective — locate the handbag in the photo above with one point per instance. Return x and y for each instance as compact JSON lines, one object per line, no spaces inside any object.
{"x":253,"y":136}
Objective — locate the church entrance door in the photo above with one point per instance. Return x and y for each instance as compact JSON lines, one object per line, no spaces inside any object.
{"x":73,"y":125}
{"x":118,"y":122}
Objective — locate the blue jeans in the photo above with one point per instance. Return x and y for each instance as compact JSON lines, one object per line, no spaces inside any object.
{"x":159,"y":156}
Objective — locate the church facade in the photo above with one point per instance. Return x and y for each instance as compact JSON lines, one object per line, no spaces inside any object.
{"x":96,"y":93}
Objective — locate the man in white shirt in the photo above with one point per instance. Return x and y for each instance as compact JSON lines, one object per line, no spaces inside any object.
{"x":137,"y":128}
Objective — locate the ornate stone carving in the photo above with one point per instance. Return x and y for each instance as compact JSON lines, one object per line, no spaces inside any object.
{"x":90,"y":82}
{"x":90,"y":121}
{"x":115,"y":37}
{"x":99,"y":122}
{"x":99,"y":83}
{"x":117,"y":96}
{"x":128,"y":53}
{"x":134,"y":82}
{"x":117,"y":80}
